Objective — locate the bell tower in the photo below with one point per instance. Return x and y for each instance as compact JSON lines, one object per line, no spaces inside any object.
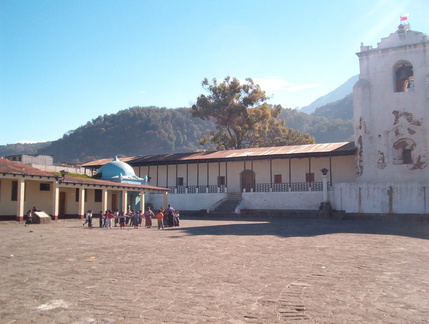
{"x":391,"y":109}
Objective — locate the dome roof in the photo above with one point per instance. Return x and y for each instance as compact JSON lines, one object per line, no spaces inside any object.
{"x":116,"y":169}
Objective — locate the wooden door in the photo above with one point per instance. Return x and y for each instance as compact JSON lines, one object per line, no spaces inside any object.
{"x":62,"y":207}
{"x":247,"y":180}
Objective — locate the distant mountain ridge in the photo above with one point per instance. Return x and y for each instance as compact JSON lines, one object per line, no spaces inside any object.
{"x":339,"y":93}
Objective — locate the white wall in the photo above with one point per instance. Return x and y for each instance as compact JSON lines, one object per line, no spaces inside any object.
{"x":185,"y":201}
{"x":282,"y":200}
{"x":381,"y":198}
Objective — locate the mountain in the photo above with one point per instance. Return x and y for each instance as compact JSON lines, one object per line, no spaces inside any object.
{"x":341,"y":109}
{"x":130,"y":132}
{"x":335,"y":95}
{"x":12,"y":149}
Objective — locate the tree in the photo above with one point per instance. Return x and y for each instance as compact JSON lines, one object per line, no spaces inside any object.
{"x":242,"y":117}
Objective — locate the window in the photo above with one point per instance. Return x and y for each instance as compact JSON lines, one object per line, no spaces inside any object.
{"x":406,"y":156}
{"x":98,"y":194}
{"x":220,"y":181}
{"x":45,"y":187}
{"x":278,"y":178}
{"x":309,"y":177}
{"x":404,"y":76}
{"x":179,"y":181}
{"x":14,"y":195}
{"x":77,"y":194}
{"x":403,"y":151}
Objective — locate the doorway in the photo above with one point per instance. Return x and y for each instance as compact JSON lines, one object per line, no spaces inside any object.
{"x":247,"y":179}
{"x":62,"y":207}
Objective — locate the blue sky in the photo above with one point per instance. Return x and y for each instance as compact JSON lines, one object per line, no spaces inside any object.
{"x":64,"y":63}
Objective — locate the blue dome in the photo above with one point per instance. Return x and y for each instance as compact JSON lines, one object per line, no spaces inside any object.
{"x":115,"y":169}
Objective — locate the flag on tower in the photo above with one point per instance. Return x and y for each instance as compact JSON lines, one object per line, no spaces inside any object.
{"x":404,"y":17}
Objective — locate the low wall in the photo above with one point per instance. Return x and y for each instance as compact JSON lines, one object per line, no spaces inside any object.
{"x":186,"y":201}
{"x":381,"y":198}
{"x":308,"y":200}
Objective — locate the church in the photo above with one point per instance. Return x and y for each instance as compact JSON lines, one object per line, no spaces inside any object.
{"x":382,"y":173}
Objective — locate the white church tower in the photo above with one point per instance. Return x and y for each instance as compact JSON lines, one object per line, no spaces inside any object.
{"x":391,"y":109}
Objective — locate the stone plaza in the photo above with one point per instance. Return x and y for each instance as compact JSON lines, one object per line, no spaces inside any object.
{"x":228,"y":270}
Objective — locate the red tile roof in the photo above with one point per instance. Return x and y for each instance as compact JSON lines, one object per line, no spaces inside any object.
{"x":95,"y":182}
{"x":324,"y":149}
{"x":16,"y":168}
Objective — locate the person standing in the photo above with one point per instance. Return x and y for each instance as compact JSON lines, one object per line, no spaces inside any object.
{"x":89,"y":218}
{"x":116,"y":213}
{"x":101,"y":219}
{"x":176,"y":218}
{"x":122,"y":220}
{"x":160,"y":218}
{"x":170,"y":211}
{"x":135,"y":219}
{"x":29,"y":219}
{"x":148,"y":214}
{"x":110,"y":218}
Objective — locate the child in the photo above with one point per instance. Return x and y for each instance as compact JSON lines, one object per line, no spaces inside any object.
{"x":122,"y":219}
{"x":101,"y":219}
{"x":160,"y":218}
{"x":29,"y":218}
{"x":176,"y":218}
{"x":88,"y":218}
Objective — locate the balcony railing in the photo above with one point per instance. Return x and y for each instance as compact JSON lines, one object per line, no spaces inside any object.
{"x":259,"y":187}
{"x":197,"y":189}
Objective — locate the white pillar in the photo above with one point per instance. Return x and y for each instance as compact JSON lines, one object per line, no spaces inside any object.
{"x":325,"y":188}
{"x":104,"y":199}
{"x":142,"y":200}
{"x":81,"y":211}
{"x":124,"y":201}
{"x":165,"y":199}
{"x":20,"y":198}
{"x":55,"y":200}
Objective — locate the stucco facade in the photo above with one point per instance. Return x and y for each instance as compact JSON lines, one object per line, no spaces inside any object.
{"x":23,"y":187}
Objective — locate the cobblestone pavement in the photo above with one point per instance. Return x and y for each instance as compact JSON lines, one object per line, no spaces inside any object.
{"x":216,"y":271}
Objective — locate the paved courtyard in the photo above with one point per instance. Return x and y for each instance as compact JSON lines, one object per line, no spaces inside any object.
{"x":216,"y":271}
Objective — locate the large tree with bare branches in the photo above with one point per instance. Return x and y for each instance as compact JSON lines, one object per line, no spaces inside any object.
{"x":242,"y":116}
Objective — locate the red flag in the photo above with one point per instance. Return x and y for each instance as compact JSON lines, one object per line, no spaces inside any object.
{"x":404,"y":17}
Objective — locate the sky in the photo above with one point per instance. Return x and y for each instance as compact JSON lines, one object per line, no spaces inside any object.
{"x":64,"y":63}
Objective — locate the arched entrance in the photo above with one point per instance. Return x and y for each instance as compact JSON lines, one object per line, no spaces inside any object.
{"x":247,"y":180}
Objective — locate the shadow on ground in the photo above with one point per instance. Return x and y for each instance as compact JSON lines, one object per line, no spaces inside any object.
{"x":294,"y":227}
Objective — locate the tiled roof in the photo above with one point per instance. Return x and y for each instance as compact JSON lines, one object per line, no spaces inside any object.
{"x":324,"y":149}
{"x":11,"y":167}
{"x":96,"y":182}
{"x":344,"y":148}
{"x":16,"y":168}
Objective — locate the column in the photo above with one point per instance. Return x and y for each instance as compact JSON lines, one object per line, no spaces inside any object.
{"x":142,"y":200}
{"x":81,"y":211}
{"x":124,"y":201}
{"x":55,"y":201}
{"x":104,"y":200}
{"x":325,"y":188}
{"x":165,"y":199}
{"x":21,"y":196}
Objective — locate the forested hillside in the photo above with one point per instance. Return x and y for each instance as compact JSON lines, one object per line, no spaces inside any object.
{"x":328,"y":124}
{"x":152,"y":130}
{"x":12,"y":149}
{"x":130,"y":132}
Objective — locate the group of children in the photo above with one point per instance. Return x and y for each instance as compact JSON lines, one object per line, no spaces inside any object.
{"x":166,"y":218}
